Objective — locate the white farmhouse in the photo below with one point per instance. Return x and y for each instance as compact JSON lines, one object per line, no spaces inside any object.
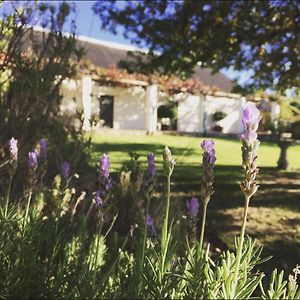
{"x":120,"y":101}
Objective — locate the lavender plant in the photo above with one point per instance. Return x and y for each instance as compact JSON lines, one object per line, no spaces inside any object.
{"x":250,"y":144}
{"x":148,"y":185}
{"x":59,"y":255}
{"x":208,"y":161}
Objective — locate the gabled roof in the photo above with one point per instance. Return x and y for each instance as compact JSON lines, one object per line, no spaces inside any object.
{"x":106,"y":54}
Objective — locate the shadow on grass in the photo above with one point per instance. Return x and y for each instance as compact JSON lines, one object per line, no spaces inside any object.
{"x":140,"y":148}
{"x":278,"y":193}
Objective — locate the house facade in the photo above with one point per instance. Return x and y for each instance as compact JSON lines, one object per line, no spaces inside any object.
{"x":127,"y":103}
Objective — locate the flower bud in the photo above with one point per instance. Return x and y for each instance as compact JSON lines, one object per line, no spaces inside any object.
{"x":65,"y":169}
{"x":13,"y":149}
{"x":168,"y":162}
{"x":32,"y":159}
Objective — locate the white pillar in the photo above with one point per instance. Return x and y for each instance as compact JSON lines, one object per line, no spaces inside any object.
{"x":86,"y":87}
{"x":151,"y":108}
{"x":202,"y":113}
{"x":275,"y":112}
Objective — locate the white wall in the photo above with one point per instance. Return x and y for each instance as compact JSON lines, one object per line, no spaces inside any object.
{"x":190,"y":113}
{"x":71,"y":91}
{"x":231,"y":107}
{"x":129,"y":110}
{"x":129,"y":106}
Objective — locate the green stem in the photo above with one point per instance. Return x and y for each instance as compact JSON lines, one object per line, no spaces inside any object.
{"x":8,"y":195}
{"x":240,"y":246}
{"x":96,"y":259}
{"x":27,"y":208}
{"x":97,"y":248}
{"x":143,"y":244}
{"x":200,"y":246}
{"x":168,"y":202}
{"x":164,"y":235}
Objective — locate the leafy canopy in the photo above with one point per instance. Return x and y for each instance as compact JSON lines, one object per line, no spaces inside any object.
{"x":258,"y":35}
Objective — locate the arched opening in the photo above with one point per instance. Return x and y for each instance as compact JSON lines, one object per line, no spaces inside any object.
{"x":167,"y":115}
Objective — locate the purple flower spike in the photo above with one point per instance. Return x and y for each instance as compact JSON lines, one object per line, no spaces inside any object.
{"x":151,"y":166}
{"x":13,"y":149}
{"x":209,"y":151}
{"x":208,"y":161}
{"x":250,"y":144}
{"x":104,"y":165}
{"x":65,"y":169}
{"x":251,"y":119}
{"x":98,"y":200}
{"x":32,"y":159}
{"x":150,"y":221}
{"x":44,"y":148}
{"x":192,"y":207}
{"x":150,"y":224}
{"x":208,"y":145}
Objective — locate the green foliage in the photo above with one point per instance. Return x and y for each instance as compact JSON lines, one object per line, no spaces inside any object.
{"x":132,"y":165}
{"x":218,"y":116}
{"x":282,"y":289}
{"x":256,"y":35}
{"x":65,"y":247}
{"x":33,"y":66}
{"x":170,"y":111}
{"x":289,"y":115}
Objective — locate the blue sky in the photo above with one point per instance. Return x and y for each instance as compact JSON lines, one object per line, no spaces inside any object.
{"x":88,"y":24}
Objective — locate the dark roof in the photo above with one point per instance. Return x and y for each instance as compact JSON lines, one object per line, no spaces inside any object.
{"x":218,"y":79}
{"x":105,"y":56}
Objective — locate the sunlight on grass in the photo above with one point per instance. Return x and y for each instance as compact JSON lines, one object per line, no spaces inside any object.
{"x":186,"y":150}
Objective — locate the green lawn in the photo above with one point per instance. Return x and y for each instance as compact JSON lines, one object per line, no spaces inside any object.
{"x":274,"y":211}
{"x":186,"y":150}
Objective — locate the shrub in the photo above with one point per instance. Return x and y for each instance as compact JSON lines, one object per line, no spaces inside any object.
{"x":33,"y":65}
{"x":218,"y":116}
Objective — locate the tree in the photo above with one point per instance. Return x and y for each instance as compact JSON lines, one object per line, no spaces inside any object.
{"x":33,"y":65}
{"x":258,"y":35}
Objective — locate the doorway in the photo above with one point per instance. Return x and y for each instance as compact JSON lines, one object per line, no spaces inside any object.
{"x":106,"y":111}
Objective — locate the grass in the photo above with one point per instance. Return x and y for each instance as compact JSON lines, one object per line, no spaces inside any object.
{"x":274,"y":211}
{"x":185,"y":149}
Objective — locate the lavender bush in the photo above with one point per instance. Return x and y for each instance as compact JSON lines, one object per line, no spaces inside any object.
{"x":64,"y":244}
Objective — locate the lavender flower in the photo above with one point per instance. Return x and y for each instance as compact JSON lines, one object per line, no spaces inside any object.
{"x":13,"y":149}
{"x":65,"y":169}
{"x":250,"y":144}
{"x":209,"y":151}
{"x":150,"y":224}
{"x":104,"y":166}
{"x":105,"y":182}
{"x":98,"y":200}
{"x":151,"y":165}
{"x":208,"y":161}
{"x":32,"y":159}
{"x":251,"y":119}
{"x":192,"y":207}
{"x":168,"y":161}
{"x":43,"y":148}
